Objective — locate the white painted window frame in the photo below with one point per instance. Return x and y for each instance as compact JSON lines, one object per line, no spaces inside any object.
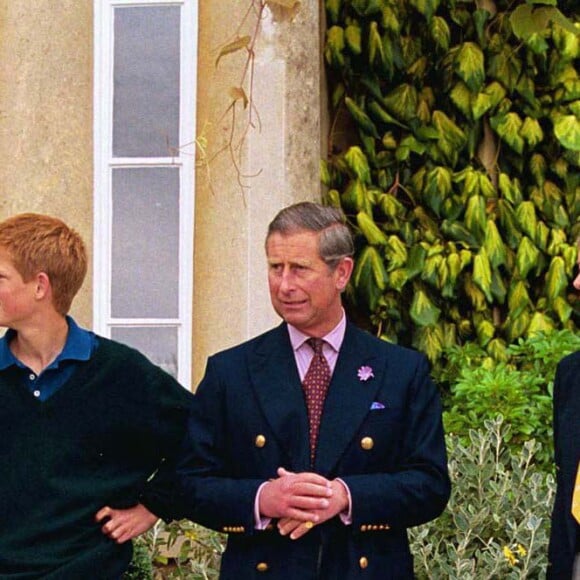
{"x":104,"y":163}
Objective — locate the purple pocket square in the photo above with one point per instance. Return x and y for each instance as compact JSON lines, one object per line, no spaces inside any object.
{"x":376,"y":405}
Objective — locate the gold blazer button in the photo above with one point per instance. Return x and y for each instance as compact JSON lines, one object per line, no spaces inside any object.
{"x":363,"y":563}
{"x":262,"y":567}
{"x":367,"y":443}
{"x":260,"y":441}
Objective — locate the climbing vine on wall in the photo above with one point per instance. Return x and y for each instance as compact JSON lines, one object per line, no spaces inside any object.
{"x":455,"y":153}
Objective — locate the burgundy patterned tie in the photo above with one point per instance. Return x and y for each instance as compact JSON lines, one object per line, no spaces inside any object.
{"x":315,"y":386}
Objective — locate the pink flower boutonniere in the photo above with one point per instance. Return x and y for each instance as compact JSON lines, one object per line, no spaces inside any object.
{"x":365,"y":373}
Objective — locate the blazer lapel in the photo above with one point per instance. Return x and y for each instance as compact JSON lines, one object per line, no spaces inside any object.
{"x":349,"y":398}
{"x":277,"y":386}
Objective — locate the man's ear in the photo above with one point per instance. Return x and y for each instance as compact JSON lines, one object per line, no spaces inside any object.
{"x":344,"y":272}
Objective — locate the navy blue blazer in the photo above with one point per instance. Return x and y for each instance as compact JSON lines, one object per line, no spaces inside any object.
{"x":564,"y":531}
{"x":249,"y":418}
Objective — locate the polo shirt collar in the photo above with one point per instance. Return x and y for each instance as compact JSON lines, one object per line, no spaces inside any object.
{"x":78,"y":346}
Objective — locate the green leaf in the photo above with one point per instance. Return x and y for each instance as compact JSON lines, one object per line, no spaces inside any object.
{"x":518,"y":298}
{"x":334,"y":46}
{"x":475,"y":217}
{"x":440,"y":33}
{"x":451,"y":138}
{"x":461,"y":98}
{"x":352,"y":36}
{"x":469,"y":64}
{"x":395,"y":252}
{"x":540,"y":324}
{"x":355,"y":197}
{"x":505,"y":66}
{"x":562,"y":308}
{"x":485,"y":332}
{"x":437,"y":187}
{"x":376,"y":55}
{"x":379,"y":114}
{"x":357,"y":162}
{"x":429,"y":339}
{"x":508,"y":128}
{"x":369,"y":277}
{"x":567,"y":131}
{"x":510,"y":189}
{"x":361,"y":118}
{"x":556,"y":279}
{"x":426,"y":7}
{"x":531,"y":132}
{"x":527,"y":256}
{"x":423,"y":311}
{"x":370,"y":230}
{"x":526,"y":215}
{"x":494,"y":245}
{"x":333,"y":9}
{"x":402,"y":102}
{"x":416,"y":260}
{"x":482,"y":273}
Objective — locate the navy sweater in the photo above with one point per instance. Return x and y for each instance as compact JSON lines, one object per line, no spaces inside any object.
{"x":95,"y":442}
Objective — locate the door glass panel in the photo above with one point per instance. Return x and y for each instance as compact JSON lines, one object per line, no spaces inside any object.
{"x":159,"y":344}
{"x":146,"y":81}
{"x":145,"y":243}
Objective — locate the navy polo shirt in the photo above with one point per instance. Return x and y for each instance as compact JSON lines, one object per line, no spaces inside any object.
{"x":79,"y":346}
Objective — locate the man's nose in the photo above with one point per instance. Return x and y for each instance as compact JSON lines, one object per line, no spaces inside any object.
{"x":287,"y":280}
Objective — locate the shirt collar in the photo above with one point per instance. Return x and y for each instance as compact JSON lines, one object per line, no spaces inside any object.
{"x":334,"y":338}
{"x":78,"y":346}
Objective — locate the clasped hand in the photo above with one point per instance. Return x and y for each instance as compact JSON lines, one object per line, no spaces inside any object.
{"x":301,"y":500}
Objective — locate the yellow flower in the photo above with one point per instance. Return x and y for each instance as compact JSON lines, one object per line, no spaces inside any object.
{"x":521,"y":550}
{"x":509,"y":556}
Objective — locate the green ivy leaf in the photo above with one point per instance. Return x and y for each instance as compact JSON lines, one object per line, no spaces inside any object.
{"x":556,"y":279}
{"x":451,"y":138}
{"x":357,"y":162}
{"x":395,"y":252}
{"x":526,"y":257}
{"x":334,"y":46}
{"x":485,"y":332}
{"x":562,"y":308}
{"x":402,"y":102}
{"x":461,"y":98}
{"x":426,"y":7}
{"x":369,"y":276}
{"x":440,"y":33}
{"x":531,"y":132}
{"x":526,"y":215}
{"x":508,"y":128}
{"x":518,"y":298}
{"x":355,"y":196}
{"x":423,"y":311}
{"x":429,"y":339}
{"x":494,"y":245}
{"x":390,"y":20}
{"x":567,"y":131}
{"x":469,"y":64}
{"x":352,"y":36}
{"x":540,"y":324}
{"x":333,"y":9}
{"x":376,"y":55}
{"x":361,"y":118}
{"x":475,"y":217}
{"x":482,"y":273}
{"x":370,"y":230}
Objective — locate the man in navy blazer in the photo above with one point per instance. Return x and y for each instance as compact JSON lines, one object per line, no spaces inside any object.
{"x":380,"y":462}
{"x":564,"y":549}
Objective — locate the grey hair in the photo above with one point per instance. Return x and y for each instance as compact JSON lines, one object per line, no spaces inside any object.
{"x":335,"y":242}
